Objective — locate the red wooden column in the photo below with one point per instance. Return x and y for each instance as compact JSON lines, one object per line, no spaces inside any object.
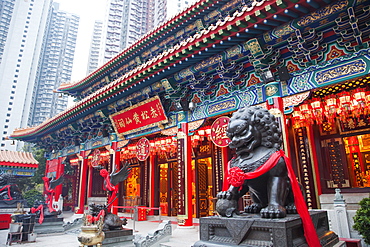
{"x":225,"y":161}
{"x":82,"y":185}
{"x":152,"y":189}
{"x":276,"y":107}
{"x":184,"y":175}
{"x":115,"y":165}
{"x":60,"y":172}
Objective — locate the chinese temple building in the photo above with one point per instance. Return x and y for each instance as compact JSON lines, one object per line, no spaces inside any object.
{"x":20,"y":164}
{"x":162,"y":104}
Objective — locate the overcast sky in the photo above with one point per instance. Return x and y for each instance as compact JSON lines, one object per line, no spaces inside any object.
{"x":89,"y":11}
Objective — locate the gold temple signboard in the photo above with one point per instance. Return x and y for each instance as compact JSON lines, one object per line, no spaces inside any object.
{"x":146,"y":114}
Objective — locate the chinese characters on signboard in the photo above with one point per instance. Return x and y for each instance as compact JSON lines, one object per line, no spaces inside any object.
{"x":218,"y":132}
{"x":144,"y":115}
{"x":142,"y":149}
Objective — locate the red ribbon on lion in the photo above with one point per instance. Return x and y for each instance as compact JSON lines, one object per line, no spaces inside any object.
{"x":236,"y":178}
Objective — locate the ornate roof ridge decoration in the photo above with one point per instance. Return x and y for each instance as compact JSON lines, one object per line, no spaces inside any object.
{"x":17,"y":157}
{"x":222,"y":30}
{"x":143,"y":41}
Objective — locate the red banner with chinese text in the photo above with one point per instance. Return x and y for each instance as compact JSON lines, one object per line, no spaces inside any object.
{"x":146,"y":114}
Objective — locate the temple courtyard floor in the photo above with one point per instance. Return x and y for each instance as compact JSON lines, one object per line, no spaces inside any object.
{"x":181,"y":236}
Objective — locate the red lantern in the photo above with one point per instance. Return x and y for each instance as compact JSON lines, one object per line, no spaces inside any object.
{"x":318,"y":111}
{"x":297,"y":117}
{"x":345,"y":105}
{"x":331,"y":107}
{"x":305,"y":110}
{"x":359,"y":97}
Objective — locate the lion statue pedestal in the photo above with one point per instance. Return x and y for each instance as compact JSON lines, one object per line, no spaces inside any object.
{"x":252,"y":230}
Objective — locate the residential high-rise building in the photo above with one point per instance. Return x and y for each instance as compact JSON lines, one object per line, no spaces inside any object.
{"x":128,"y":20}
{"x":33,"y":35}
{"x":23,"y":24}
{"x":93,"y":62}
{"x":55,"y":65}
{"x":176,"y":6}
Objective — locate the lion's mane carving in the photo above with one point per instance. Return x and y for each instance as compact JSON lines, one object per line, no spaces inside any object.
{"x":255,"y":136}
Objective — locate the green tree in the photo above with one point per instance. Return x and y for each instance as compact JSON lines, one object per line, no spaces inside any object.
{"x":362,"y":219}
{"x":29,"y":183}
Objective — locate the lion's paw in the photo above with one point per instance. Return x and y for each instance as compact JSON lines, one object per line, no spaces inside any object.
{"x":226,"y":207}
{"x":291,"y":208}
{"x":273,"y":211}
{"x":253,"y":208}
{"x":225,"y":195}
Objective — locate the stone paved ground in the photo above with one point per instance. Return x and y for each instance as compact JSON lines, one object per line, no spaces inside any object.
{"x":180,"y":237}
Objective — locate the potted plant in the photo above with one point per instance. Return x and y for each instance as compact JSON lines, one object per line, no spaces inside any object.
{"x":362,"y":219}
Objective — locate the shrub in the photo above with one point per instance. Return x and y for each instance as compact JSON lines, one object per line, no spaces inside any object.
{"x":31,"y":196}
{"x":362,"y":219}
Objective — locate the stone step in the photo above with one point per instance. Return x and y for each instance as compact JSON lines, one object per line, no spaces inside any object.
{"x":182,"y":237}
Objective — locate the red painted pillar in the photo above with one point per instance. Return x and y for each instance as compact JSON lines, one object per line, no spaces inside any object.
{"x":115,"y":165}
{"x":82,"y":185}
{"x":276,"y":107}
{"x":225,"y":161}
{"x":185,"y":216}
{"x":60,"y":171}
{"x":152,"y":189}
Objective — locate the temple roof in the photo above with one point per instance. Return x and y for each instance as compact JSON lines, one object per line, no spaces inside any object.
{"x":18,"y":159}
{"x":264,"y":19}
{"x":204,"y":40}
{"x":145,"y":41}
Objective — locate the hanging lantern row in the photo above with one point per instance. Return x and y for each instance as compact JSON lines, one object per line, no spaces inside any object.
{"x":200,"y":135}
{"x":342,"y":105}
{"x":165,"y":144}
{"x":128,"y":152}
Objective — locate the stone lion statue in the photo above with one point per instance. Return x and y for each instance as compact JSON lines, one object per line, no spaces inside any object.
{"x":255,"y":136}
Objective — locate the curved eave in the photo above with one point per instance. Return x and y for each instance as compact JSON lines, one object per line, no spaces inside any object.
{"x":145,"y":40}
{"x":207,"y":39}
{"x":18,"y":165}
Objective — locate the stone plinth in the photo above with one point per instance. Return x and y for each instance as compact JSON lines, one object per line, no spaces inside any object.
{"x":49,"y":225}
{"x":123,"y":237}
{"x":252,"y":230}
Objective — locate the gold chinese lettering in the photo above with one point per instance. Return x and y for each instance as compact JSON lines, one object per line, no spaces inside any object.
{"x":136,"y":118}
{"x":153,"y":112}
{"x":121,"y":123}
{"x":144,"y":115}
